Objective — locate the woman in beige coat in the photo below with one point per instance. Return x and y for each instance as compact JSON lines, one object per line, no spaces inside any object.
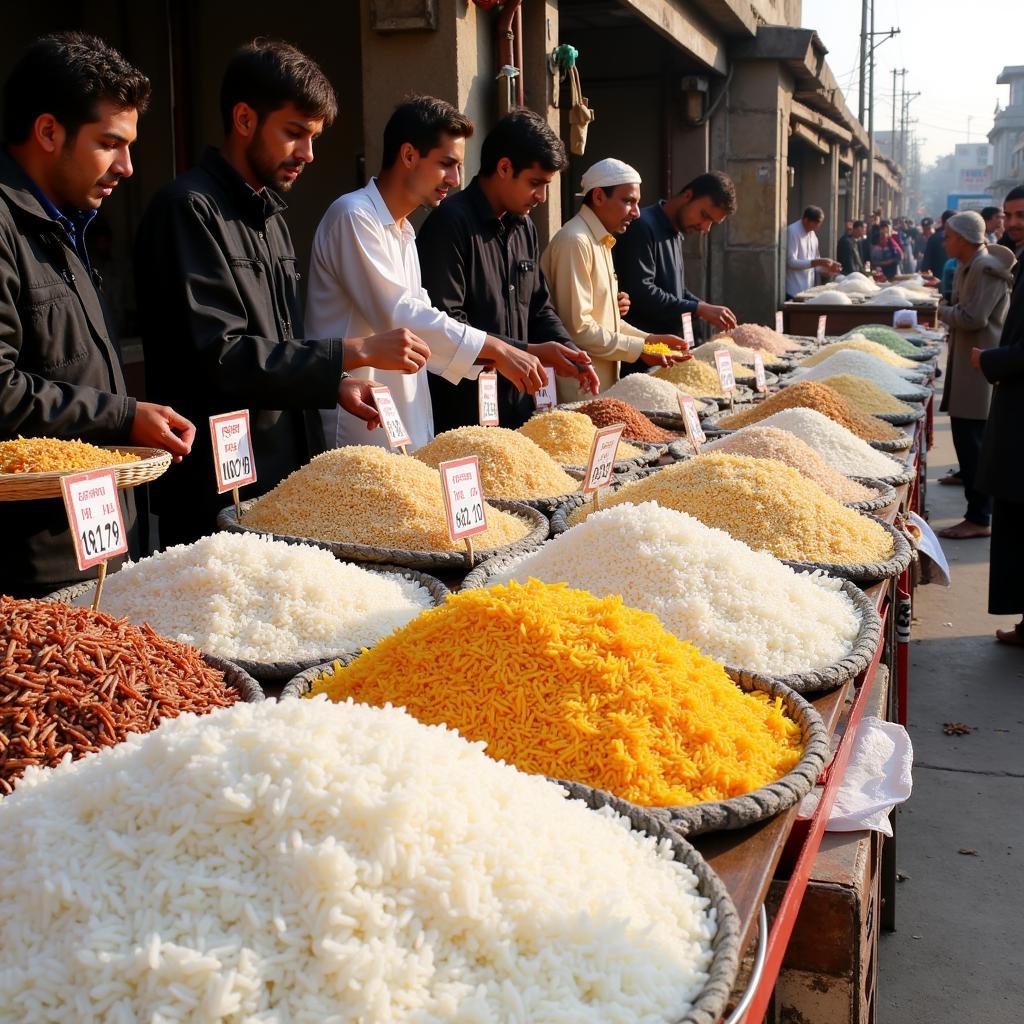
{"x":981,"y":294}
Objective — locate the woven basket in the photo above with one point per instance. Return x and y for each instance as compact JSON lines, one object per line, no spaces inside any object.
{"x":902,"y":419}
{"x":236,"y":677}
{"x":651,"y":453}
{"x":153,"y":462}
{"x":560,"y":517}
{"x":923,"y":354}
{"x":867,"y":572}
{"x":886,"y":495}
{"x":899,"y":444}
{"x":452,"y":561}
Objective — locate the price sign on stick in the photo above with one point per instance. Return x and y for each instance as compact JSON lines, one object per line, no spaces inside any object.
{"x":759,"y":379}
{"x":232,"y":453}
{"x":822,"y":322}
{"x":97,"y":527}
{"x":691,"y":422}
{"x":601,"y":464}
{"x":487,"y":397}
{"x":546,"y":397}
{"x":726,"y":374}
{"x":463,"y":499}
{"x":688,"y":329}
{"x":390,"y":417}
{"x":779,"y":322}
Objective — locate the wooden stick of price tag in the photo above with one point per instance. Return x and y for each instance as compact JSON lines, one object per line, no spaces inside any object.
{"x":822,"y":323}
{"x":390,"y":418}
{"x":691,"y":422}
{"x":601,"y":464}
{"x":464,"y":503}
{"x":487,"y":399}
{"x":726,"y":374}
{"x":547,"y":396}
{"x":233,"y":459}
{"x":97,"y":526}
{"x":779,"y":322}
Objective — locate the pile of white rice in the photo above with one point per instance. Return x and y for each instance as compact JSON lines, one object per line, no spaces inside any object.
{"x":857,"y":284}
{"x":842,"y":449}
{"x":738,"y":606}
{"x":244,"y":596}
{"x":322,"y":863}
{"x":863,"y":364}
{"x":830,"y":297}
{"x":645,"y":392}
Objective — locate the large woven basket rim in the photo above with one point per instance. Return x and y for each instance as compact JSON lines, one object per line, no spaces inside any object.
{"x":652,"y":451}
{"x":896,"y":444}
{"x":450,"y":560}
{"x":885,"y":496}
{"x":152,"y":463}
{"x":867,"y":572}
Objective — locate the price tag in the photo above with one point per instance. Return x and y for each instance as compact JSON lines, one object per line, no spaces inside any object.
{"x":726,"y":375}
{"x":487,"y":399}
{"x":463,"y":497}
{"x":232,"y":450}
{"x":691,"y":421}
{"x":688,"y":329}
{"x":602,"y":457}
{"x":547,"y":396}
{"x":779,"y":322}
{"x":906,"y":318}
{"x":759,"y":380}
{"x":94,"y":514}
{"x":390,"y":418}
{"x":822,"y":321}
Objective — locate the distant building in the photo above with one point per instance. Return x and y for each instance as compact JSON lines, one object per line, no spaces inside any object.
{"x":1007,"y":136}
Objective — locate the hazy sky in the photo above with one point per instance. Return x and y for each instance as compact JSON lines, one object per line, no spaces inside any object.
{"x":953,"y":53}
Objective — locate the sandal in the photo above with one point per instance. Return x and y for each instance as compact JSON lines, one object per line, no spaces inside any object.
{"x":951,"y":480}
{"x":965,"y":531}
{"x":1014,"y":637}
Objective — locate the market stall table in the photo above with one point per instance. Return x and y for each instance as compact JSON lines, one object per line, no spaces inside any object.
{"x":802,"y":317}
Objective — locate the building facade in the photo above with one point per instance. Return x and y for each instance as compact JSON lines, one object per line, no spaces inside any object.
{"x":1007,"y":136}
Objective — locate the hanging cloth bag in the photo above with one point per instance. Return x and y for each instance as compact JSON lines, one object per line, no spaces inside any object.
{"x":580,"y":115}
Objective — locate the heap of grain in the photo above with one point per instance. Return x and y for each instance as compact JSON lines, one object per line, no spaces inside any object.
{"x":568,"y":437}
{"x":73,"y":681}
{"x":605,"y":411}
{"x":867,"y":396}
{"x":739,"y":606}
{"x":511,"y":465}
{"x":897,"y":382}
{"x":886,"y":336}
{"x":365,"y":495}
{"x":562,"y":683}
{"x":858,"y":343}
{"x":695,"y":377}
{"x":648,"y":392}
{"x":50,"y":455}
{"x":759,"y":336}
{"x":771,"y":443}
{"x":243,"y":596}
{"x":311,"y":862}
{"x":743,"y":356}
{"x":763,"y":503}
{"x":817,"y":396}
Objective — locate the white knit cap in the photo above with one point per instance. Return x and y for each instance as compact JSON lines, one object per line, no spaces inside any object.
{"x":608,"y":173}
{"x":969,"y":225}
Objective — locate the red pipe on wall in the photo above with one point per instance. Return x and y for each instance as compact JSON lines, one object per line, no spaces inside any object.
{"x":510,"y":43}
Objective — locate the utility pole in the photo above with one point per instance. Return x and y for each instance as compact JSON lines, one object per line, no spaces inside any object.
{"x":892,"y":134}
{"x":863,"y":57}
{"x":871,"y":106}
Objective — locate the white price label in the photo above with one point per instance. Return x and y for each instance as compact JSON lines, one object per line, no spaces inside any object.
{"x":390,"y":418}
{"x":463,"y":497}
{"x":487,"y":399}
{"x":759,"y":379}
{"x":688,"y":328}
{"x":691,"y":421}
{"x":547,"y":396}
{"x":232,"y":450}
{"x":94,"y":514}
{"x":726,"y":374}
{"x":780,"y":322}
{"x":602,"y":457}
{"x":822,"y":323}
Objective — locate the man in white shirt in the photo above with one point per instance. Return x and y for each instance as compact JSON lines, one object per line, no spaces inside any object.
{"x":365,"y":270}
{"x":802,"y":253}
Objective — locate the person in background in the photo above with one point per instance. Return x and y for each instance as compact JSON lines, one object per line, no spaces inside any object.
{"x":975,"y":319}
{"x":649,"y":257}
{"x":921,"y":242}
{"x":907,"y":240}
{"x":218,"y":291}
{"x":874,"y":227}
{"x":947,"y":279}
{"x":999,"y":468}
{"x":71,"y":108}
{"x":849,"y":249}
{"x":886,"y":254}
{"x":935,"y":251}
{"x":993,"y":218}
{"x":802,"y":253}
{"x":480,"y":261}
{"x":579,"y":268}
{"x":365,"y":272}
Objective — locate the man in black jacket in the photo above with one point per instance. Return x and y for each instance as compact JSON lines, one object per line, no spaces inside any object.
{"x":480,"y":262}
{"x":849,"y":251}
{"x":935,"y":257}
{"x":71,"y":108}
{"x":218,"y":292}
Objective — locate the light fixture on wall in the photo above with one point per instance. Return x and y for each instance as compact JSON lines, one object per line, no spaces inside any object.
{"x":694,"y":89}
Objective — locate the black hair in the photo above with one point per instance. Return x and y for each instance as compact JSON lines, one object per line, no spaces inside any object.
{"x":926,"y":222}
{"x":267,"y":74}
{"x":421,"y":121}
{"x":884,"y":224}
{"x":525,"y":138}
{"x":717,"y":186}
{"x":990,"y":211}
{"x":858,"y":224}
{"x":68,"y":75}
{"x":946,"y":214}
{"x":814,"y":213}
{"x":1014,"y":194}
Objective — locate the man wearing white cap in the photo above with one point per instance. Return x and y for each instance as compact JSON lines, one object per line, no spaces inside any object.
{"x":580,"y":273}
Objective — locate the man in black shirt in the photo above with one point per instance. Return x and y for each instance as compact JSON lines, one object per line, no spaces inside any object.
{"x":849,"y":252}
{"x":935,"y":257}
{"x":480,"y":262}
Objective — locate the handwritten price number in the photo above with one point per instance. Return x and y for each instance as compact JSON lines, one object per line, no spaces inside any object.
{"x":488,"y":388}
{"x":101,"y":540}
{"x":723,"y":360}
{"x":463,"y":497}
{"x":469,"y":515}
{"x":822,"y":321}
{"x":691,"y":421}
{"x":779,"y":322}
{"x":390,"y":418}
{"x":759,"y":378}
{"x":94,"y":515}
{"x":545,"y":398}
{"x":232,"y":446}
{"x":602,"y":456}
{"x":688,"y":328}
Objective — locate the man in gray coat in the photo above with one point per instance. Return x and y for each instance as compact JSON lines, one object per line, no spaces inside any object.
{"x":981,"y":292}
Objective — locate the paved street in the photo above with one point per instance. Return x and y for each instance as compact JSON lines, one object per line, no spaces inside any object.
{"x":956,"y":955}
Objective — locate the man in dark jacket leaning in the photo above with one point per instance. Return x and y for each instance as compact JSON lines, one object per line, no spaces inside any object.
{"x":71,"y":108}
{"x":218,"y":292}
